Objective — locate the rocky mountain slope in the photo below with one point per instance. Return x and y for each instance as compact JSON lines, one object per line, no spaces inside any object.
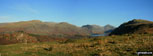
{"x":96,"y":29}
{"x":136,"y":26}
{"x":43,"y":28}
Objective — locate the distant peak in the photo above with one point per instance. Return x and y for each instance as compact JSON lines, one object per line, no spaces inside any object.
{"x":36,"y":21}
{"x":90,"y":25}
{"x":135,"y":26}
{"x":63,"y":23}
{"x":139,"y":20}
{"x":108,"y":25}
{"x":136,"y":21}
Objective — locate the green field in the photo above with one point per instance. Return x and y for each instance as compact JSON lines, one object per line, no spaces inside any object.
{"x":125,"y":45}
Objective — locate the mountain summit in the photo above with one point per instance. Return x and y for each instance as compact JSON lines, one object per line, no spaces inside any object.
{"x":136,"y":26}
{"x":96,"y":29}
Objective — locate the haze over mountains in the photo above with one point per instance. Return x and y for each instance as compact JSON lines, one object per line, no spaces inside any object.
{"x":96,"y":29}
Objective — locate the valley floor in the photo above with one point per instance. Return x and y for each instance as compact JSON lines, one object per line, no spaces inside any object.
{"x":98,"y":46}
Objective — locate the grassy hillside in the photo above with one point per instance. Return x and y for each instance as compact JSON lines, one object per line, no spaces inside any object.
{"x":43,"y":28}
{"x":136,"y":26}
{"x":23,"y":37}
{"x":125,"y":45}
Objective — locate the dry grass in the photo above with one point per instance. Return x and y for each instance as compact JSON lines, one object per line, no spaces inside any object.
{"x":100,"y":46}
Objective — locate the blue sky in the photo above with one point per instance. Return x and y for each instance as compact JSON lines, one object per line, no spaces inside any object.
{"x":77,"y":12}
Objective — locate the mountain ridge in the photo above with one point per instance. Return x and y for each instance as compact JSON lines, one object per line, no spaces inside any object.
{"x":136,"y":26}
{"x":96,"y":29}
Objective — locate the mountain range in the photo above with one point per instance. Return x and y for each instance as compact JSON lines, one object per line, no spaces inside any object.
{"x":38,"y":31}
{"x":96,"y":29}
{"x":52,"y":28}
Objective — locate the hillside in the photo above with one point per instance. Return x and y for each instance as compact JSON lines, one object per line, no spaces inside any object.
{"x":43,"y":28}
{"x":99,"y":46}
{"x":136,"y":26}
{"x":23,"y":37}
{"x":96,"y":29}
{"x":56,"y":29}
{"x":37,"y":31}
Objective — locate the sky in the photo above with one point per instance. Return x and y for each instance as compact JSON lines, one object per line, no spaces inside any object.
{"x":77,"y":12}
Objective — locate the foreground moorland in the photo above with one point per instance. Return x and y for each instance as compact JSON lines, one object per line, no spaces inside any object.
{"x":124,"y":45}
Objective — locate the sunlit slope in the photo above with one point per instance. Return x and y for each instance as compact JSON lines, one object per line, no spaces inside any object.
{"x":42,"y":28}
{"x":136,"y":26}
{"x":100,"y":46}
